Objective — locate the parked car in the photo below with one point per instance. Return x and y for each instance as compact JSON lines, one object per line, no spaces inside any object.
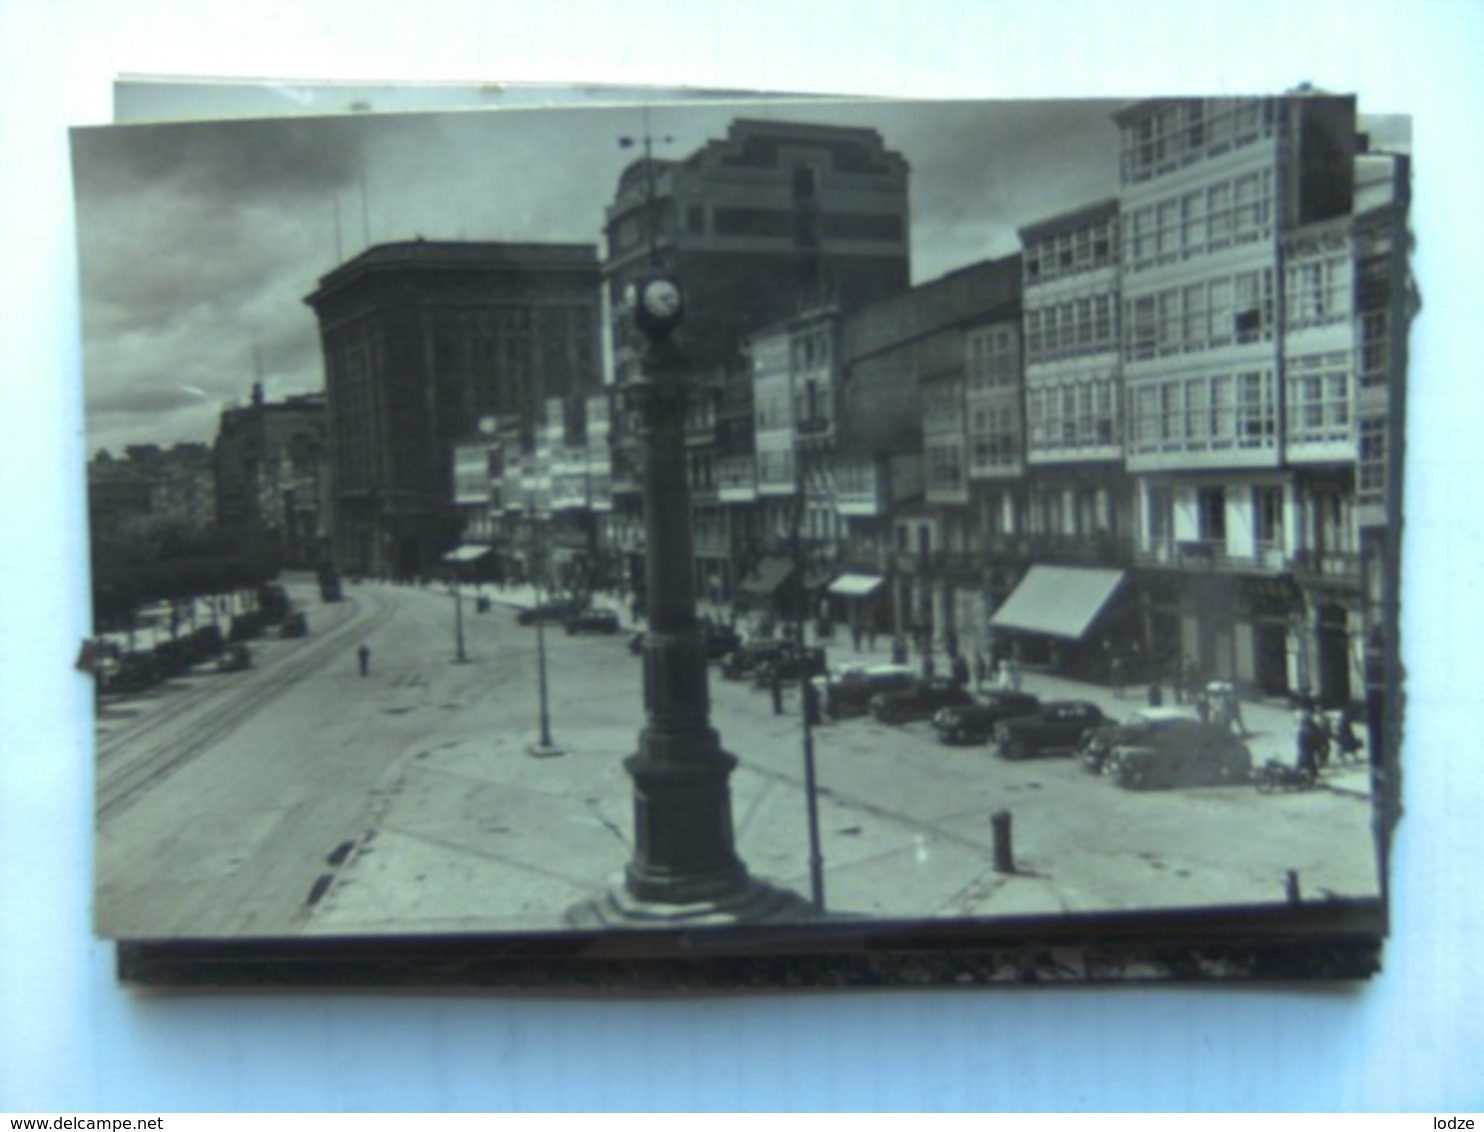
{"x":557,"y":609}
{"x":790,"y":663}
{"x":919,"y":701}
{"x":974,"y":722}
{"x":236,"y":657}
{"x":848,"y":690}
{"x":1057,"y":727}
{"x":1097,"y":745}
{"x":744,"y":661}
{"x":592,"y":621}
{"x":1185,"y":753}
{"x":131,"y":672}
{"x":720,"y":639}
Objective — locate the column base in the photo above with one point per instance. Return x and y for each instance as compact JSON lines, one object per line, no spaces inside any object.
{"x":540,"y":750}
{"x":755,"y":902}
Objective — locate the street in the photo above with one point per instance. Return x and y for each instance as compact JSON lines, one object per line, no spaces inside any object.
{"x":300,"y":797}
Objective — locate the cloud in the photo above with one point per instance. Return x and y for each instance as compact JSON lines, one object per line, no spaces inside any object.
{"x":198,"y":242}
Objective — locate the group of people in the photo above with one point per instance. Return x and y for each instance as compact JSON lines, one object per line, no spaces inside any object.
{"x":1317,"y":740}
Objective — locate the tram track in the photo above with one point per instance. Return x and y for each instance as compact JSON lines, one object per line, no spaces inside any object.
{"x":121,"y":779}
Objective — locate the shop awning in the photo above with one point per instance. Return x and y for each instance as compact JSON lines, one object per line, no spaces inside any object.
{"x":468,"y":553}
{"x":855,"y":585}
{"x":1062,"y":601}
{"x":771,"y":573}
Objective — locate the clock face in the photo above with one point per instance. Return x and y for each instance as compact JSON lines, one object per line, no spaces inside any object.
{"x":662,"y":299}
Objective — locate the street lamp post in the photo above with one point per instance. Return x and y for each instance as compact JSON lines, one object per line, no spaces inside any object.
{"x":806,"y":431}
{"x":684,"y":868}
{"x":460,"y":657}
{"x":543,"y":748}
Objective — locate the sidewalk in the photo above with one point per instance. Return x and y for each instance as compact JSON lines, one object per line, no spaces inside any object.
{"x":476,"y":823}
{"x":1271,"y":725}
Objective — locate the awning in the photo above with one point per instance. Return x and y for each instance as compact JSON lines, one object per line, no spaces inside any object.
{"x":855,"y":585}
{"x":1062,"y":601}
{"x":468,"y":553}
{"x":771,"y":573}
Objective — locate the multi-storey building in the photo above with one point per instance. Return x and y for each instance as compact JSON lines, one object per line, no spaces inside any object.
{"x":907,"y":436}
{"x":271,"y":463}
{"x":773,"y":219}
{"x":423,"y":339}
{"x":1383,"y":306}
{"x":1236,"y":286}
{"x":1066,"y":525}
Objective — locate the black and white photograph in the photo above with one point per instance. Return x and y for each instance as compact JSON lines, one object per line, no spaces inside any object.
{"x":767,"y":519}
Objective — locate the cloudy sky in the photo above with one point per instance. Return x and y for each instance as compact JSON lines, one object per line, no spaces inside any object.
{"x":198,"y":241}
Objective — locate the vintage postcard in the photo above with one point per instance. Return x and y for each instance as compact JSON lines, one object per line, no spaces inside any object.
{"x":833,"y":540}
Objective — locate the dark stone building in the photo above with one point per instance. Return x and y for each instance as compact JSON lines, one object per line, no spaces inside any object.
{"x":423,"y":339}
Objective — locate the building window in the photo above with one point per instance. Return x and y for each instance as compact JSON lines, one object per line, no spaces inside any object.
{"x":1211,"y":515}
{"x":1267,"y":518}
{"x":1375,"y":344}
{"x":1255,"y":409}
{"x":1371,"y":461}
{"x":1319,"y":399}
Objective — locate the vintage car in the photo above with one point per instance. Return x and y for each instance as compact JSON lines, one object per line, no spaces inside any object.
{"x":790,"y":663}
{"x":592,"y":621}
{"x":1186,"y":753}
{"x":974,"y":722}
{"x":1097,"y":745}
{"x":130,"y":672}
{"x":556,"y":609}
{"x":720,"y":640}
{"x":847,"y":691}
{"x":236,"y":657}
{"x":1057,"y":727}
{"x":743,"y":661}
{"x":919,"y":701}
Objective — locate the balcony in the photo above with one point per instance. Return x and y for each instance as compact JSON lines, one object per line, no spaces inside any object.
{"x":1098,"y":549}
{"x":1339,"y":567}
{"x":1212,"y":556}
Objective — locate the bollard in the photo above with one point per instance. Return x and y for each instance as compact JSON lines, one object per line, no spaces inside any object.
{"x":1004,"y":853}
{"x":1291,"y":887}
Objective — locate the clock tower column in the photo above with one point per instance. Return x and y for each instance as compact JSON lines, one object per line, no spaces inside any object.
{"x":685,"y":869}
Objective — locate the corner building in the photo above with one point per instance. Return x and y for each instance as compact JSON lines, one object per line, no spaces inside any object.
{"x":1238,"y":365}
{"x":421,"y":341}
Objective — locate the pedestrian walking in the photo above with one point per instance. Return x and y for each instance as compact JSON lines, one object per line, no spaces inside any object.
{"x":775,"y":685}
{"x":1116,"y":675}
{"x":1307,"y":741}
{"x":981,"y":671}
{"x":1322,"y":740}
{"x":960,"y":670}
{"x":1155,"y":696}
{"x":855,"y":635}
{"x":363,"y":655}
{"x":1346,"y":741}
{"x":929,"y":667}
{"x":1015,"y":674}
{"x":871,"y":637}
{"x":1203,"y":706}
{"x":898,"y":650}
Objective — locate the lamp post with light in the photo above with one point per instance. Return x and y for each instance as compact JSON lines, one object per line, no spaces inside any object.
{"x":543,"y":747}
{"x":685,"y":868}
